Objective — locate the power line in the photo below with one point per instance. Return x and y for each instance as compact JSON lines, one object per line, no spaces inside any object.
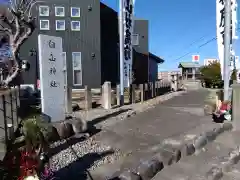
{"x":213,"y":39}
{"x":202,"y":45}
{"x":194,"y":42}
{"x":191,"y":44}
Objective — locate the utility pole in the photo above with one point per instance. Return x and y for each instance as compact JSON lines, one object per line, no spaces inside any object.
{"x":121,"y":50}
{"x":227,"y":39}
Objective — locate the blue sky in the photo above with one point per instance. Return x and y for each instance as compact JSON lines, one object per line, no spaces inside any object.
{"x":174,"y":25}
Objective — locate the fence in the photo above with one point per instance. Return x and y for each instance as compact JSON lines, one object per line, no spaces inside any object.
{"x":9,"y":103}
{"x":109,"y":96}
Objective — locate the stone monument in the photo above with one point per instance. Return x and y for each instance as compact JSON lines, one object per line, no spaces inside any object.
{"x":51,"y":77}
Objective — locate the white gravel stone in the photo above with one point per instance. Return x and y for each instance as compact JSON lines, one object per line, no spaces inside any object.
{"x":76,"y":151}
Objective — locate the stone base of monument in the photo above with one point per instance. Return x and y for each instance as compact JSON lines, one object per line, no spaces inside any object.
{"x":66,"y":129}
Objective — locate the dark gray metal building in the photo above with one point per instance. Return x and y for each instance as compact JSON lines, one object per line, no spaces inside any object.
{"x":90,"y":43}
{"x":109,"y":45}
{"x":154,"y":61}
{"x":145,"y":64}
{"x":78,"y":23}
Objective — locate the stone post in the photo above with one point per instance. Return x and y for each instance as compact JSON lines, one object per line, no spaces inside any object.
{"x":106,"y":95}
{"x":88,"y":98}
{"x":142,"y":90}
{"x":236,"y":106}
{"x":193,"y":73}
{"x":174,"y":83}
{"x":133,"y":93}
{"x":153,"y":89}
{"x":178,"y":81}
{"x":118,"y":94}
{"x":156,"y":88}
{"x":10,"y":131}
{"x":146,"y":91}
{"x":150,"y":90}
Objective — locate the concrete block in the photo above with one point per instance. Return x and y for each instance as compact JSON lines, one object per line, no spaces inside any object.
{"x":187,"y":150}
{"x":175,"y":150}
{"x":166,"y":157}
{"x":65,"y":130}
{"x":210,"y":135}
{"x":227,"y":126}
{"x":79,"y":125}
{"x":200,"y":142}
{"x":148,"y":169}
{"x":218,"y":130}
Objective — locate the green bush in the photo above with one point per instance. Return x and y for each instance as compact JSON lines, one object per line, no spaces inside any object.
{"x":211,"y":75}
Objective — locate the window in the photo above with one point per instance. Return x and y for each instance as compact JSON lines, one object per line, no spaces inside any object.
{"x":75,"y":25}
{"x":75,"y":12}
{"x":135,"y":39}
{"x":60,"y":25}
{"x":44,"y":25}
{"x":77,"y":68}
{"x":59,"y":11}
{"x":43,"y":11}
{"x":189,"y":70}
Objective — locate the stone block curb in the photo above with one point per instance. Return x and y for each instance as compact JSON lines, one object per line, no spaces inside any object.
{"x":172,"y":153}
{"x":234,"y":158}
{"x":216,"y":173}
{"x":210,"y":136}
{"x":148,"y":169}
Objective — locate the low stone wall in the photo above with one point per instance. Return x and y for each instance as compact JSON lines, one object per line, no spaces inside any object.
{"x":172,"y":153}
{"x":9,"y":104}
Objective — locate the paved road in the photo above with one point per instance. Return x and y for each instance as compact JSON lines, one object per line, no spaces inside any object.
{"x":141,"y":134}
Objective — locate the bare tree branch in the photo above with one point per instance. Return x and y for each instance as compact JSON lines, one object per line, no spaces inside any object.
{"x":5,"y":21}
{"x":19,"y":28}
{"x":5,"y":30}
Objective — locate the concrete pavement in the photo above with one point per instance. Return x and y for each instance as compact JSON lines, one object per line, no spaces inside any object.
{"x":139,"y":137}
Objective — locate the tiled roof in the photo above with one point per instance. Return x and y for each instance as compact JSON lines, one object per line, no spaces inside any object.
{"x":189,"y":65}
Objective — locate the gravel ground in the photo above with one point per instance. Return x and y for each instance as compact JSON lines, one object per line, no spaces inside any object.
{"x":89,"y":149}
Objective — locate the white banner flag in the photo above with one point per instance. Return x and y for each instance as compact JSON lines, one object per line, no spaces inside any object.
{"x":220,"y":24}
{"x":128,"y":50}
